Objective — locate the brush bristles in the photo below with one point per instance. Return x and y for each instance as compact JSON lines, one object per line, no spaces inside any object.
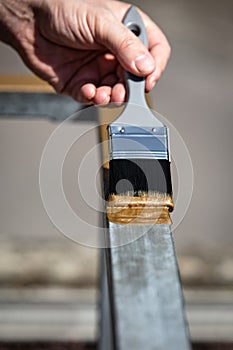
{"x":148,"y":208}
{"x":137,"y":176}
{"x":150,"y":199}
{"x":142,"y":194}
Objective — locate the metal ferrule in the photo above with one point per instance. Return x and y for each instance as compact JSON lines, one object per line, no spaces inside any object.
{"x":134,"y":142}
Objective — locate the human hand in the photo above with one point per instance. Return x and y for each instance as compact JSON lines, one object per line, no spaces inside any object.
{"x":81,"y":47}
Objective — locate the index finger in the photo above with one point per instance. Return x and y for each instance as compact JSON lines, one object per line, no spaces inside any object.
{"x":158,"y":47}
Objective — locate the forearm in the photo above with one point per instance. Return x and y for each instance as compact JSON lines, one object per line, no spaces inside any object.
{"x":15,"y":16}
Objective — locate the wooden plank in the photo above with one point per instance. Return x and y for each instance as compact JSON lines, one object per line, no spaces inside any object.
{"x":24,"y":83}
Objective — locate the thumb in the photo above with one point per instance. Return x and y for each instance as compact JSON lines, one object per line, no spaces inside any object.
{"x":128,"y":49}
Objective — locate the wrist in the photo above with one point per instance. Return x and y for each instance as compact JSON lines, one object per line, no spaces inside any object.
{"x":15,"y":15}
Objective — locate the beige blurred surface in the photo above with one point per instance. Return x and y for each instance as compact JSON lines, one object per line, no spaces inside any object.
{"x":32,"y":249}
{"x":195,"y":95}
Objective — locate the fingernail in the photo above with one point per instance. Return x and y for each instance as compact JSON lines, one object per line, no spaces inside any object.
{"x":153,"y":82}
{"x":145,"y":63}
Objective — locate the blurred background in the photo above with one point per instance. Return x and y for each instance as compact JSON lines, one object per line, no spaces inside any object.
{"x":48,"y":284}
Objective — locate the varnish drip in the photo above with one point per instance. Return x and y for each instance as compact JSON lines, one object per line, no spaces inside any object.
{"x":145,"y":209}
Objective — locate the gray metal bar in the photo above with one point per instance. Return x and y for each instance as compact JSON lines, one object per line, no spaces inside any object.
{"x":51,"y":106}
{"x":145,"y":291}
{"x":105,"y":334}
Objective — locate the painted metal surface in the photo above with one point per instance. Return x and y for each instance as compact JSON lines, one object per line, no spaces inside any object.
{"x":146,"y":295}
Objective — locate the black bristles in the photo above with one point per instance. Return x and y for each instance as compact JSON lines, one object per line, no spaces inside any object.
{"x":139,"y":175}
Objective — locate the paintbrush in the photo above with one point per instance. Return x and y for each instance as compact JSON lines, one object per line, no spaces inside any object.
{"x":140,"y":189}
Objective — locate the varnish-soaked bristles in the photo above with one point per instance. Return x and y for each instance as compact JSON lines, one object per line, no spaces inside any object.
{"x":146,"y":208}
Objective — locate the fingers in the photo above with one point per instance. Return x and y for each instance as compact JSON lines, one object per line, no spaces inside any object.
{"x":102,"y":95}
{"x":128,"y":49}
{"x":110,"y":87}
{"x":159,"y":49}
{"x":99,"y":79}
{"x":131,"y":53}
{"x":86,"y":94}
{"x":98,"y":82}
{"x":161,"y":54}
{"x":118,"y":93}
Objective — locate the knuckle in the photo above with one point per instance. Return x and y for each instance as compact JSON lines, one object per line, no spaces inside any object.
{"x":106,"y":15}
{"x":126,"y":43}
{"x":57,"y":85}
{"x":103,"y":16}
